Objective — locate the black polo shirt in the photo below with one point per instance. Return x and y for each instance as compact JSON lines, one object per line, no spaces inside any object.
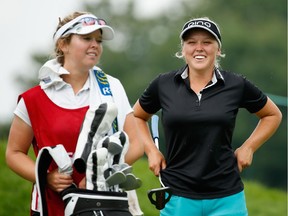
{"x":198,"y":133}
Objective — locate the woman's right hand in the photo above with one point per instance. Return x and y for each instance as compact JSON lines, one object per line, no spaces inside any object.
{"x":156,"y":162}
{"x":156,"y":159}
{"x":58,"y":181}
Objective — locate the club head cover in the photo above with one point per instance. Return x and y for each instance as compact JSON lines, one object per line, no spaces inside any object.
{"x":96,"y":125}
{"x":124,"y":140}
{"x":96,"y":163}
{"x":113,"y":145}
{"x":123,"y":136}
{"x":61,"y":158}
{"x":43,"y":161}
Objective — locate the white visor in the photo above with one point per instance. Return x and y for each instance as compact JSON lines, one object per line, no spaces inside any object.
{"x":85,"y":24}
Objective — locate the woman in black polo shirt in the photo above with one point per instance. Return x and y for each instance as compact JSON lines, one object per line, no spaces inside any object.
{"x":199,"y":104}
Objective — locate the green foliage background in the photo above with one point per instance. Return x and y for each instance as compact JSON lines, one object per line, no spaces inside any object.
{"x":254,"y":35}
{"x":254,"y":40}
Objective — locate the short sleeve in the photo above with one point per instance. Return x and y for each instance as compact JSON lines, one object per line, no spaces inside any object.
{"x":21,"y":111}
{"x":253,"y":98}
{"x":149,"y":100}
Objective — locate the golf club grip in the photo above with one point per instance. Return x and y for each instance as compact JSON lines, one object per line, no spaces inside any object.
{"x":154,"y":127}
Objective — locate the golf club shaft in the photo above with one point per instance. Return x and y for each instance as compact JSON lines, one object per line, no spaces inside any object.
{"x":155,"y":135}
{"x":154,"y":129}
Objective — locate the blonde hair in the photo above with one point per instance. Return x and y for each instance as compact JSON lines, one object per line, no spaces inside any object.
{"x":179,"y":54}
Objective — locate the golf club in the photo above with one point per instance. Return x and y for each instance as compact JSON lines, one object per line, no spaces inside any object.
{"x":160,"y":194}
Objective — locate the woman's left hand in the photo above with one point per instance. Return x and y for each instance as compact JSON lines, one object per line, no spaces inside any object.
{"x":244,"y":157}
{"x":58,"y":181}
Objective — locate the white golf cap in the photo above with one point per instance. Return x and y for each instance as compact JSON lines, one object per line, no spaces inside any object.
{"x":85,"y":24}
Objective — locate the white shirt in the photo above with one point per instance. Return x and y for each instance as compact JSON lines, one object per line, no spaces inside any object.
{"x":62,"y":94}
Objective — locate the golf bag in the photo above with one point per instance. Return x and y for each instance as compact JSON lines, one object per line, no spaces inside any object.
{"x":101,"y":157}
{"x":81,"y":202}
{"x":78,"y":202}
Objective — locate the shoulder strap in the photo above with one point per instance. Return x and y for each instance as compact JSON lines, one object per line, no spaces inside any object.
{"x":105,"y":91}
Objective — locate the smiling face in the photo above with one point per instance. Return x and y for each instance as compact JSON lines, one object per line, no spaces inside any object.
{"x":83,"y":51}
{"x":200,"y":49}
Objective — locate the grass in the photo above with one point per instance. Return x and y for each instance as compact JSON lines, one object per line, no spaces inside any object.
{"x":15,"y":193}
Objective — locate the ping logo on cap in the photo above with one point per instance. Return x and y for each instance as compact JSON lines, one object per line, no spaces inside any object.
{"x":200,"y":22}
{"x":205,"y":24}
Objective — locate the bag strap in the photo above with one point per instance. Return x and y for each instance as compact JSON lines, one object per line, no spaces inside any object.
{"x":105,"y":90}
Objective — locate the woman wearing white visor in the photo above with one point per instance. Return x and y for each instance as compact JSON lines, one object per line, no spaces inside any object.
{"x":52,"y":112}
